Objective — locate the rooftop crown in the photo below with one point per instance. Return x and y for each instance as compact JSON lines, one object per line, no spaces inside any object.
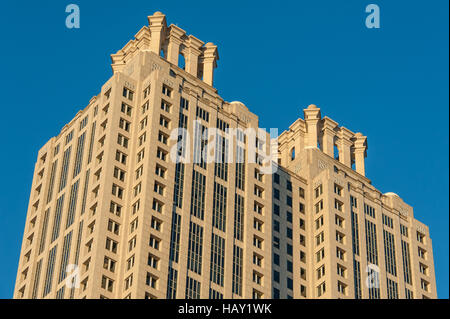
{"x":171,"y":43}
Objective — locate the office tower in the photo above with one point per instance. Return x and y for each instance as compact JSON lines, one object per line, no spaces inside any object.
{"x":129,"y":201}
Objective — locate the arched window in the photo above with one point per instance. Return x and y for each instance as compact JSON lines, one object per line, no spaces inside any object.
{"x":292,"y":153}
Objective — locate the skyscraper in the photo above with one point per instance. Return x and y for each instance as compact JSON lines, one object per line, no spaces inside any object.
{"x":161,"y":189}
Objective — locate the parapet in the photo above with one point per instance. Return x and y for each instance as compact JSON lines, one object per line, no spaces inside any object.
{"x":325,"y":134}
{"x":173,"y":44}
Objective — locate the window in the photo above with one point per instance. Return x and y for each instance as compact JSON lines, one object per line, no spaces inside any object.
{"x":388,"y":221}
{"x":158,"y":188}
{"x":125,"y":125}
{"x":320,"y":255}
{"x":301,"y":192}
{"x":257,"y":278}
{"x":339,"y":221}
{"x":341,"y":270}
{"x":111,"y":245}
{"x":157,"y":206}
{"x":122,"y":140}
{"x":338,"y":189}
{"x":289,"y":186}
{"x":165,"y":106}
{"x":424,"y":284}
{"x":127,"y":93}
{"x":166,"y":90}
{"x":319,"y":206}
{"x":130,"y":262}
{"x":202,"y":114}
{"x":289,"y":216}
{"x":257,"y":259}
{"x":143,"y":123}
{"x":140,"y":155}
{"x":162,"y":138}
{"x":257,"y":242}
{"x":276,"y":242}
{"x":319,"y":222}
{"x":134,"y":225}
{"x":321,"y":289}
{"x":155,"y":223}
{"x":113,"y":227}
{"x":142,"y":138}
{"x":115,"y":208}
{"x":276,"y":259}
{"x":161,"y":154}
{"x":119,"y":174}
{"x":339,"y":237}
{"x":139,"y":172}
{"x":257,"y":224}
{"x":184,"y":104}
{"x":107,"y":283}
{"x":404,"y":230}
{"x":341,"y":287}
{"x":369,"y":210}
{"x":289,"y":232}
{"x":320,"y":271}
{"x":152,"y":261}
{"x":258,"y":191}
{"x":289,"y":200}
{"x":276,"y":276}
{"x":137,"y":189}
{"x":121,"y":157}
{"x":340,"y":253}
{"x":301,"y":208}
{"x":276,"y":178}
{"x":318,"y":191}
{"x":154,"y":242}
{"x":258,"y":208}
{"x":146,"y":92}
{"x":151,"y":280}
{"x":117,"y":191}
{"x":276,"y":193}
{"x":160,"y":171}
{"x":338,"y":205}
{"x":128,"y":281}
{"x":164,"y":122}
{"x":423,"y":269}
{"x":289,"y":249}
{"x":422,"y":253}
{"x":320,"y":238}
{"x":276,"y":225}
{"x":126,"y":109}
{"x":132,"y":243}
{"x":420,"y":237}
{"x":109,"y":264}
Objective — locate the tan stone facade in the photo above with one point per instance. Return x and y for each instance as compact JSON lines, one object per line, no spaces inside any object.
{"x":109,"y":198}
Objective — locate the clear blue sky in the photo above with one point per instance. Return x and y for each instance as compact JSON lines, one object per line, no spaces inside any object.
{"x":277,"y":57}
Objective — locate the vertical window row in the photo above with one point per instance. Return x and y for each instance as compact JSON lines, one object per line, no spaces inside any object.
{"x":219,"y":207}
{"x":195,"y":251}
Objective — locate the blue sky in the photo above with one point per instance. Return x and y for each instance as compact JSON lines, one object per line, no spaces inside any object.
{"x":277,"y":57}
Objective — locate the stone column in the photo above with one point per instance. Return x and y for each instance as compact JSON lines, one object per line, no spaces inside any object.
{"x":193,"y":52}
{"x":175,"y":40}
{"x":360,"y":149}
{"x":328,"y":136}
{"x":344,"y":146}
{"x":210,"y":56}
{"x":312,"y":117}
{"x":157,"y":24}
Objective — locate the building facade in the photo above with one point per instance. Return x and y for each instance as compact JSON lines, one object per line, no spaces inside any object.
{"x":129,"y":201}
